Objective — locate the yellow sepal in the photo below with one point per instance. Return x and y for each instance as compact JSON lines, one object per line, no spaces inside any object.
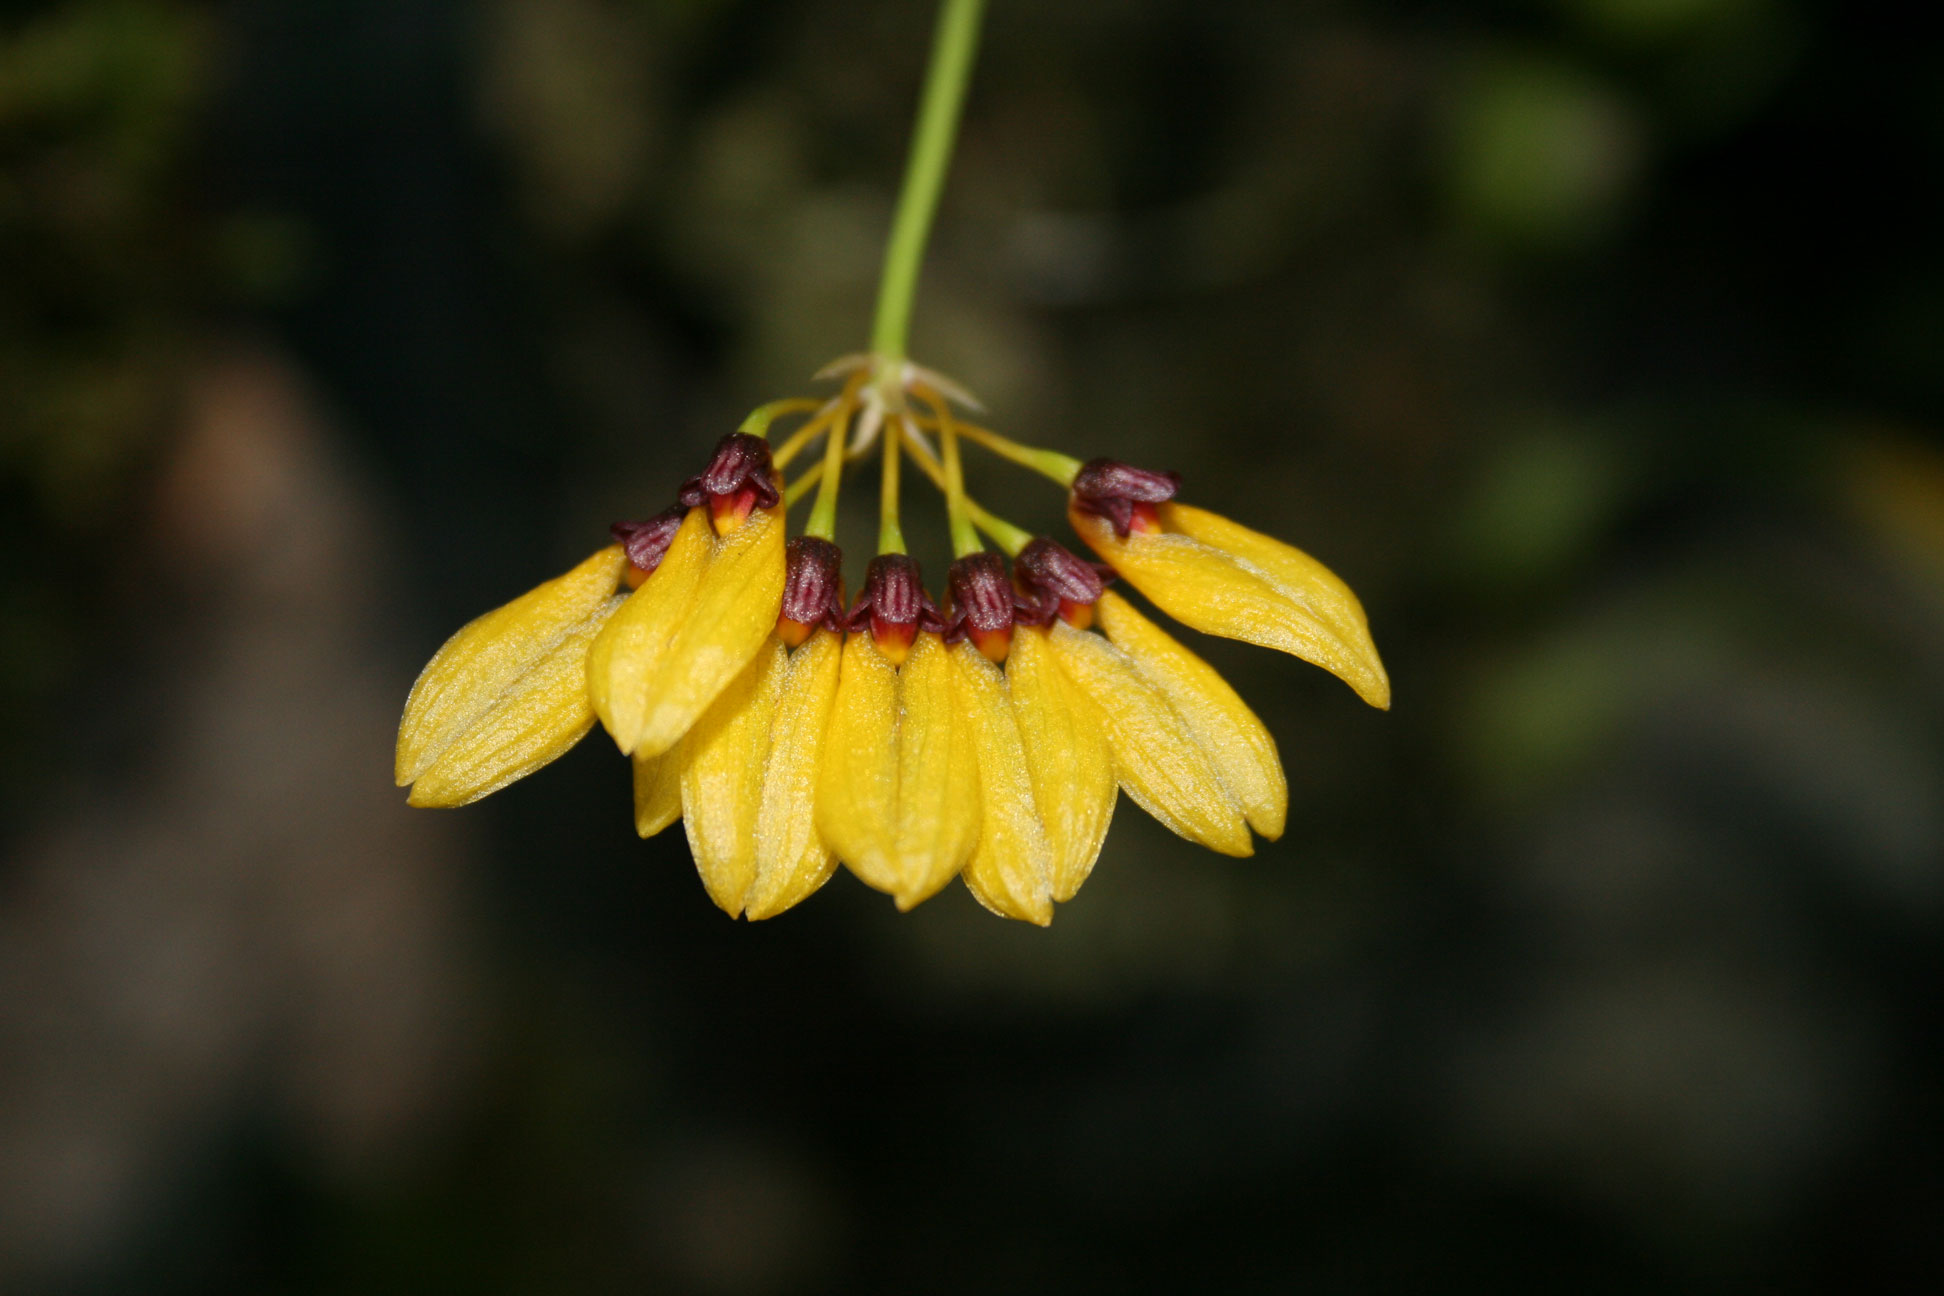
{"x":1155,"y":754}
{"x":898,"y":800}
{"x":734,"y":613}
{"x":723,"y":755}
{"x":632,"y":651}
{"x":1011,"y":869}
{"x":1223,"y":579}
{"x":938,"y":775}
{"x":657,"y":791}
{"x":1237,"y":744}
{"x":791,"y":859}
{"x":1065,"y":746}
{"x":495,"y":702}
{"x":857,"y":790}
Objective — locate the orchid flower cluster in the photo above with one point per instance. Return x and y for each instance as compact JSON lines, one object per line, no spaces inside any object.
{"x":984,"y":735}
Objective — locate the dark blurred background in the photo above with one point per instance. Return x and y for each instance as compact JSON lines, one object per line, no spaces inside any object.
{"x":1598,"y":343}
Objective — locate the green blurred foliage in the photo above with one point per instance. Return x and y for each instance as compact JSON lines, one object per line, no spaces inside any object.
{"x":96,"y":105}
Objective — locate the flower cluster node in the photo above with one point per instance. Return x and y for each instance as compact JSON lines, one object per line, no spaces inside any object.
{"x":1123,"y":494}
{"x":894,"y":605}
{"x":740,"y":477}
{"x":1055,"y":582}
{"x":646,"y":543}
{"x":983,"y":604}
{"x":813,"y":590}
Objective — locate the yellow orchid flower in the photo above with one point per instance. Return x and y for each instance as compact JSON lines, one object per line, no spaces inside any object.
{"x":988,"y":742}
{"x":898,"y":796}
{"x":632,"y":647}
{"x":792,"y":860}
{"x":1011,"y":870}
{"x":1181,"y":743}
{"x":1156,"y":757}
{"x":743,"y":779}
{"x":723,"y":758}
{"x":508,"y":692}
{"x":1067,"y":758}
{"x":1222,"y":578}
{"x":519,"y":686}
{"x":682,"y":637}
{"x":1238,"y":746}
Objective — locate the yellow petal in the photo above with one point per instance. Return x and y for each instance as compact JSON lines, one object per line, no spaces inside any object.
{"x":1221,"y":592}
{"x":657,"y":791}
{"x":722,"y":757}
{"x":533,"y":721}
{"x":734,"y":613}
{"x":473,"y":669}
{"x":857,"y":790}
{"x":791,"y":859}
{"x":1011,"y":869}
{"x":938,"y":775}
{"x":630,"y":653}
{"x":1300,"y":576}
{"x":1235,"y":741}
{"x":1065,"y":746}
{"x":1155,"y":754}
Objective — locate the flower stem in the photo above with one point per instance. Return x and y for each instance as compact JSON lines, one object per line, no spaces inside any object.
{"x":965,"y":540}
{"x":825,"y":412}
{"x":890,"y":532}
{"x":954,"y":43}
{"x":1004,"y":534}
{"x":823,"y":514}
{"x":1062,"y":468}
{"x":760,"y":418}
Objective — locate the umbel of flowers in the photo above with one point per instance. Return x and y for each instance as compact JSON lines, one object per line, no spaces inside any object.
{"x":984,"y":735}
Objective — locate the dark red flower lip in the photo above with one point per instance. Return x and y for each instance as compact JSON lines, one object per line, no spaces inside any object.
{"x":984,"y":604}
{"x":1117,"y":491}
{"x":740,"y":474}
{"x":813,"y":589}
{"x":1053,"y":581}
{"x":646,"y":542}
{"x":894,"y":605}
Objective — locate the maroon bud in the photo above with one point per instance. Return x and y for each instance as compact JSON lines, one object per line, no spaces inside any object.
{"x":982,"y":604}
{"x":647,"y":542}
{"x":982,"y":595}
{"x":1111,"y":489}
{"x":739,"y":472}
{"x":813,"y":589}
{"x":894,"y":605}
{"x":1055,"y":580}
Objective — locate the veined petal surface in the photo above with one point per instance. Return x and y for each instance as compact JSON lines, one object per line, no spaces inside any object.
{"x":1155,"y":753}
{"x":1237,"y":744}
{"x":474,"y":670}
{"x":535,"y":720}
{"x":723,"y":756}
{"x":657,"y":791}
{"x":938,"y":775}
{"x":733,"y":614}
{"x":791,"y":859}
{"x":857,"y":791}
{"x":631,"y":652}
{"x":1220,"y":593}
{"x":1011,"y":868}
{"x":1064,"y":741}
{"x":1300,"y":576}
